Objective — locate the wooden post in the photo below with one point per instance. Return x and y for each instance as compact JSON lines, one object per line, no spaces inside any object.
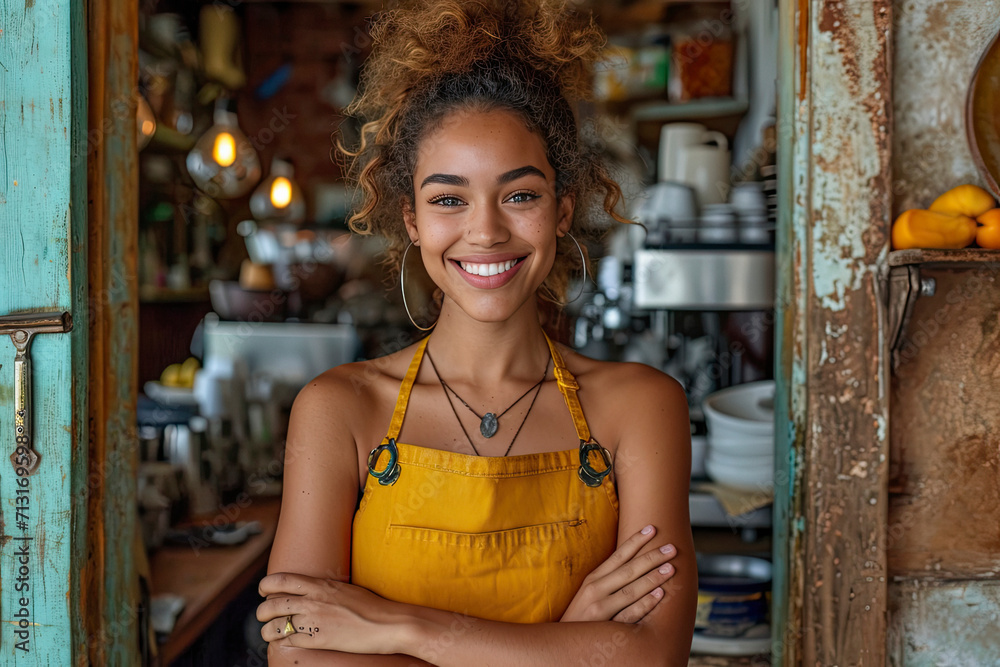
{"x":832,"y":402}
{"x":111,"y":602}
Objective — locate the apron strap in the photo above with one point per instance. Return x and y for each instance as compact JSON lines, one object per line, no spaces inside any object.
{"x":568,"y":386}
{"x":404,"y":391}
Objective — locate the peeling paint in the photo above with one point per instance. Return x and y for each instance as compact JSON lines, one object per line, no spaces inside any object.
{"x":839,"y":212}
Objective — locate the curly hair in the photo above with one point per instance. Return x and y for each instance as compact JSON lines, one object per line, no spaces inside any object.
{"x":429,"y":59}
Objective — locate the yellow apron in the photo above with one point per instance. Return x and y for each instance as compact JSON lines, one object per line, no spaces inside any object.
{"x":500,"y":538}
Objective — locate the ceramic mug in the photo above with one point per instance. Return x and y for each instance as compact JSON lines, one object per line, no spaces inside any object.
{"x":706,"y":168}
{"x":673,"y":138}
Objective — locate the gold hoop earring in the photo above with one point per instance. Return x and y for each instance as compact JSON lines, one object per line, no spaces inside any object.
{"x":583,"y":284}
{"x":402,"y":291}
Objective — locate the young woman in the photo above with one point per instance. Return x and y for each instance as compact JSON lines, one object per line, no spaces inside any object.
{"x":519,"y":504}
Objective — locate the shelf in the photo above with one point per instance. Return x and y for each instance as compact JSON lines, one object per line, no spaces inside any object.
{"x":906,"y":284}
{"x":959,"y":259}
{"x":711,"y":107}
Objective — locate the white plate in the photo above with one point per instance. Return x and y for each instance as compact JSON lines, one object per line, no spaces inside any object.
{"x":734,"y":645}
{"x":741,"y":411}
{"x":742,"y":478}
{"x":748,"y":461}
{"x":165,"y":395}
{"x":747,"y":446}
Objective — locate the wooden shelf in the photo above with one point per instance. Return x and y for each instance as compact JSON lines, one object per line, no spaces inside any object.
{"x":906,"y":284}
{"x":964,"y":258}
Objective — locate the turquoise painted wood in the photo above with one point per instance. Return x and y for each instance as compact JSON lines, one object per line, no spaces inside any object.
{"x":42,"y":268}
{"x":790,"y":335}
{"x":935,"y":623}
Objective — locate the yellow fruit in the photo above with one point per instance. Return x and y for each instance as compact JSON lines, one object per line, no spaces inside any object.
{"x":917,"y":228}
{"x":188,"y":370}
{"x":171,"y":376}
{"x":968,"y":200}
{"x":988,"y":236}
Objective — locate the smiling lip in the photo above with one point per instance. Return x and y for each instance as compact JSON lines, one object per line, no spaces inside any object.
{"x":498,"y":270}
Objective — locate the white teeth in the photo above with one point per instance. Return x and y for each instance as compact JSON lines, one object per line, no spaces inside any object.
{"x":488,"y":269}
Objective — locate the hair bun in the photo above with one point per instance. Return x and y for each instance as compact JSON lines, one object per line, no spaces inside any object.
{"x":420,"y":41}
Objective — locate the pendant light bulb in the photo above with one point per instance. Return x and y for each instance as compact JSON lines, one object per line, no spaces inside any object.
{"x":278,"y":198}
{"x":223,"y":163}
{"x":224,"y":149}
{"x":281,"y":192}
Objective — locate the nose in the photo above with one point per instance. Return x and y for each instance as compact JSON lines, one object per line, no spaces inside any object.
{"x":487,"y":226}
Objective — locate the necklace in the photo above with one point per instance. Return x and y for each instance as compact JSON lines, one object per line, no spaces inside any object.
{"x":490,"y":422}
{"x":445,"y":388}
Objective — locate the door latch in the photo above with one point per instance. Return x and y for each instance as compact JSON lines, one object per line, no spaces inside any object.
{"x":22,"y":329}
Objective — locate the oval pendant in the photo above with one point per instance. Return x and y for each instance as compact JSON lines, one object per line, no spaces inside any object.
{"x":488,"y":425}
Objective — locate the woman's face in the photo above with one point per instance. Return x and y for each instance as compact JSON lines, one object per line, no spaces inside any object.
{"x":486,"y":216}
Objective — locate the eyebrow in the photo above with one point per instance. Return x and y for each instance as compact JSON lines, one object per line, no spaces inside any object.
{"x":502,"y":179}
{"x":446,"y":179}
{"x":515,"y":174}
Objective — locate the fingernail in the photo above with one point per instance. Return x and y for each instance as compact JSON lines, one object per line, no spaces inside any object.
{"x":647,"y":530}
{"x":666,"y":549}
{"x":667,"y":569}
{"x":657,"y":593}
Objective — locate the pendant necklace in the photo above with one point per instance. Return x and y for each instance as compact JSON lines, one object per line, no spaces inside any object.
{"x":490,"y":422}
{"x":444,"y":386}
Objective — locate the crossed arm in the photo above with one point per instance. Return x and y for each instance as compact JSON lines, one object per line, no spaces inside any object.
{"x":630,"y":610}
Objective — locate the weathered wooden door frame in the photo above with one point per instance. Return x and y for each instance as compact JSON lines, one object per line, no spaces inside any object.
{"x":831,"y":481}
{"x":111,"y":598}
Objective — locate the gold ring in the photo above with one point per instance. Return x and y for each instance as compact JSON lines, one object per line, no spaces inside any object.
{"x":289,"y":628}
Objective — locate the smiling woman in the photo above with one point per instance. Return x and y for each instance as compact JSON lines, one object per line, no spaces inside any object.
{"x":557,"y":531}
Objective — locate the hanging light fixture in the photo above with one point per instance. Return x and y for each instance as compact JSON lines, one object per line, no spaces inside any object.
{"x":223,"y":163}
{"x":278,"y":198}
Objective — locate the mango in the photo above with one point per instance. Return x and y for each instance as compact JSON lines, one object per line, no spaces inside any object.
{"x":171,"y":376}
{"x":188,"y":370}
{"x":968,"y":200}
{"x":917,"y":228}
{"x":988,"y":236}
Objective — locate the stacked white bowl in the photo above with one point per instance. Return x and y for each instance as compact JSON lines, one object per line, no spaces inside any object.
{"x":740,"y":423}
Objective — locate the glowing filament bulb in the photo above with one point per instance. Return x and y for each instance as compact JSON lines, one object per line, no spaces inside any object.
{"x":224,"y":150}
{"x":148,"y":127}
{"x":281,"y":192}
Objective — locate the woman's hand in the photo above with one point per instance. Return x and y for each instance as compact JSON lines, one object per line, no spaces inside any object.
{"x":626,"y":586}
{"x":326,"y":614}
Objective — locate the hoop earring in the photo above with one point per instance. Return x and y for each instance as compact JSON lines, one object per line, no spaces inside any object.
{"x":583,"y":285}
{"x":402,"y":291}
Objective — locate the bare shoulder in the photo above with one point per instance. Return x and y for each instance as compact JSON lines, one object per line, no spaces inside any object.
{"x":622,"y":381}
{"x":626,"y":401}
{"x":346,"y":395}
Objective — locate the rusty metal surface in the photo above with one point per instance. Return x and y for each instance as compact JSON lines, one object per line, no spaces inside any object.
{"x":944,"y":517}
{"x":937,"y":46}
{"x":834,"y":331}
{"x":920,"y":639}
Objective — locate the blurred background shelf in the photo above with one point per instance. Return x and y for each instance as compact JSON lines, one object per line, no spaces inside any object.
{"x":713,"y":107}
